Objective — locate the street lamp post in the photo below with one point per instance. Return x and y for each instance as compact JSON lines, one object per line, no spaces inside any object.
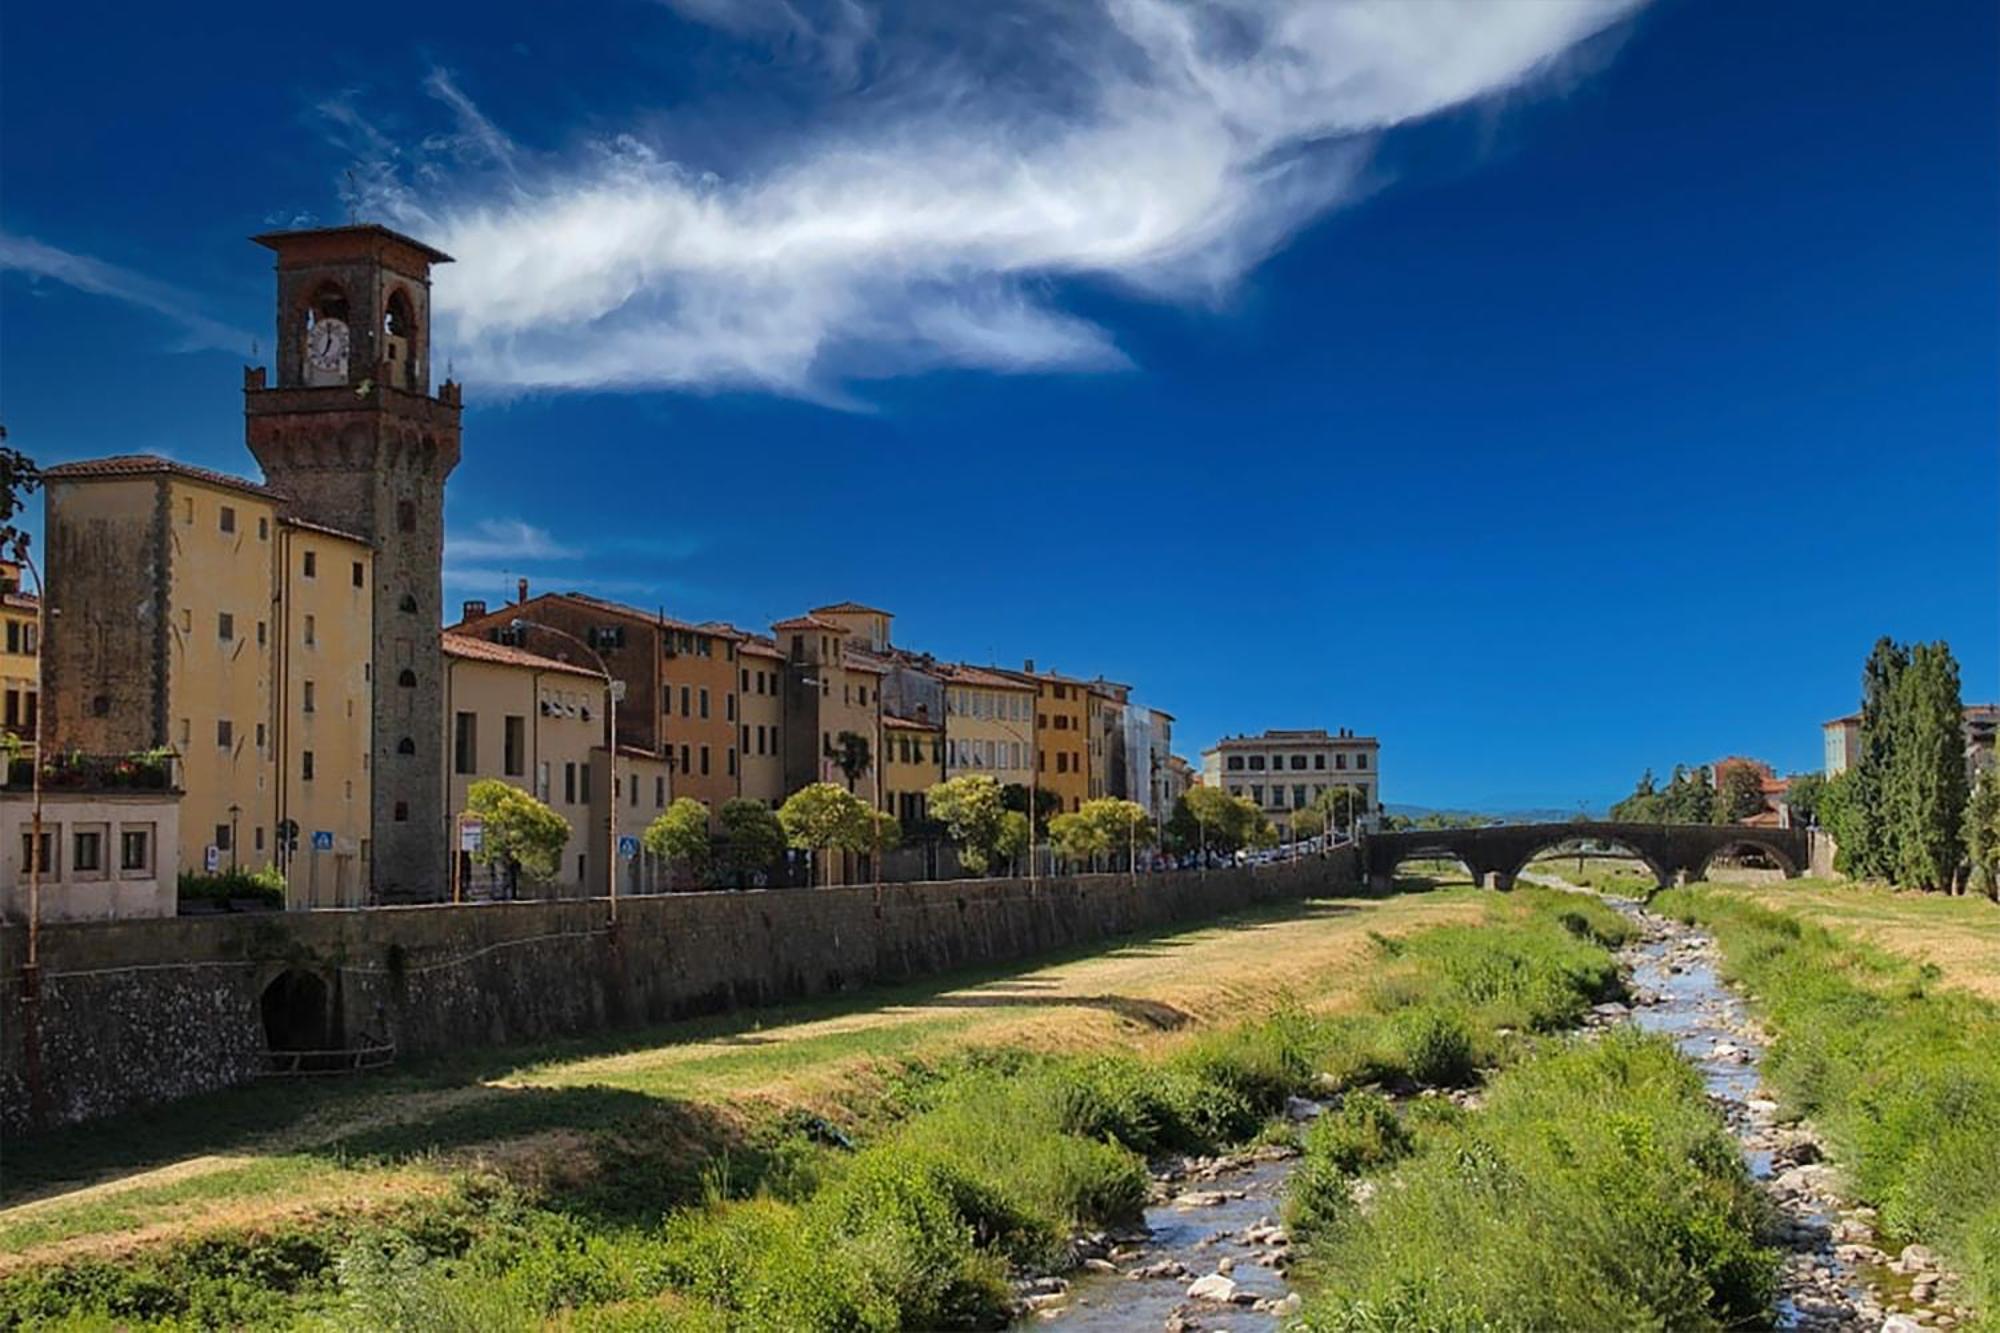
{"x":235,"y":854}
{"x":612,"y":691}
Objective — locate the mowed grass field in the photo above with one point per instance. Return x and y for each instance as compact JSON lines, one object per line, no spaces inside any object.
{"x":569,"y":1117}
{"x":1960,"y":937}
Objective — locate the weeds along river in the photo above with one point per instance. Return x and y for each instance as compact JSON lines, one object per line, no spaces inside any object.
{"x":1212,"y":1254}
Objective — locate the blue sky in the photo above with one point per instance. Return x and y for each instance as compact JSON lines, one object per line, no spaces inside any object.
{"x":1552,"y":390}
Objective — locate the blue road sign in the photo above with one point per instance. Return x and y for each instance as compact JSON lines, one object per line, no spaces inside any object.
{"x":628,"y":846}
{"x":322,"y":840}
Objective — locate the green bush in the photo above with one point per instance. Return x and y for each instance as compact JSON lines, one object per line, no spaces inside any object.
{"x":265,"y":887}
{"x":1597,"y":1189}
{"x":1433,"y":1045}
{"x":1363,"y":1133}
{"x":1902,"y":1077}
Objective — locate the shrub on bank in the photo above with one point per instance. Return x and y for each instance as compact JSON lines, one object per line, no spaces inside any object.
{"x":1900,"y":1075}
{"x":1596,"y":1189}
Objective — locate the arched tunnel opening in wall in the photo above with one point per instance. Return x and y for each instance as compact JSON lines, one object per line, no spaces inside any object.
{"x":297,"y":1012}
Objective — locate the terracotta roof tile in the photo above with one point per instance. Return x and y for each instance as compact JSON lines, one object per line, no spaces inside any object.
{"x":327,"y":529}
{"x":908,"y":723}
{"x":470,"y":649}
{"x":810,"y":622}
{"x":146,"y":465}
{"x":851,"y":609}
{"x":972,"y":675}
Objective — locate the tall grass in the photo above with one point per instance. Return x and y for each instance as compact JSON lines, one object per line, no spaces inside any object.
{"x":1596,"y":1189}
{"x":969,"y":1167}
{"x":1901,"y":1075}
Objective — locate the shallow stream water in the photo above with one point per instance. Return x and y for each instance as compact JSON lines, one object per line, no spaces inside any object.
{"x":1224,"y":1217}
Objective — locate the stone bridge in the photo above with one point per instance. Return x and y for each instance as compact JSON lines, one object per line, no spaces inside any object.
{"x":1496,"y":854}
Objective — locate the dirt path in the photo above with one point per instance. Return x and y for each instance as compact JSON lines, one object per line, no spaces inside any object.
{"x":1132,"y":995}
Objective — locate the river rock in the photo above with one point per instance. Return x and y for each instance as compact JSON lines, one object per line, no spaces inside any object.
{"x":1215,"y":1287}
{"x":1299,"y":1109}
{"x":1200,"y":1198}
{"x":1918,"y":1258}
{"x":1164,"y":1268}
{"x":1096,"y":1265}
{"x":1901,"y":1323}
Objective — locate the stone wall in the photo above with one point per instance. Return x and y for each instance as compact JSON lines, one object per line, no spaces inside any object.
{"x":132,"y":1013}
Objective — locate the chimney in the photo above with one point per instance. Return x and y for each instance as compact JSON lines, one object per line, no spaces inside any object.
{"x":1029,"y":666}
{"x":472,"y":610}
{"x":521,"y":591}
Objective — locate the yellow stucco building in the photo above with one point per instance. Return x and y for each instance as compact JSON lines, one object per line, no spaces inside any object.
{"x":20,"y":655}
{"x":989,"y":724}
{"x":192,"y":618}
{"x":760,"y":705}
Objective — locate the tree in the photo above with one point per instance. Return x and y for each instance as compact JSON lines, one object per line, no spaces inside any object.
{"x":1868,"y":845}
{"x":19,"y":478}
{"x":1982,"y":833}
{"x":1309,"y":822}
{"x":851,"y":756}
{"x":1224,"y":821}
{"x":825,"y":817}
{"x":1841,"y":815}
{"x":1077,"y":839}
{"x":521,"y":834}
{"x":969,"y":808}
{"x":679,"y":836}
{"x":1924,"y":790}
{"x":1013,"y":842}
{"x":1740,"y":795}
{"x":1123,"y":826}
{"x":1341,"y":807}
{"x":886,"y":834}
{"x":1014,"y":796}
{"x":753,"y":839}
{"x":1689,"y":797}
{"x":1643,"y":806}
{"x":1802,"y":793}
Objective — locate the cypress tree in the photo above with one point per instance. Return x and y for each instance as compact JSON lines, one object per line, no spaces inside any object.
{"x":1868,"y":843}
{"x":1925,"y":787}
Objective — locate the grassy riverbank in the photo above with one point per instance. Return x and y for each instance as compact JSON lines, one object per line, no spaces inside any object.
{"x":1899,"y":1070}
{"x":972,"y":1157}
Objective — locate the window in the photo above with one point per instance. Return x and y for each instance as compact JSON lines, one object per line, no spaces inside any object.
{"x":312,"y":564}
{"x":684,"y":759}
{"x":1257,"y":762}
{"x":45,"y":860}
{"x":1277,"y":798}
{"x":357,"y":574}
{"x":1256,"y":795}
{"x":569,"y":784}
{"x":402,"y":812}
{"x":225,"y":626}
{"x":704,"y":761}
{"x":407,"y":678}
{"x":222,"y":838}
{"x":263,"y":529}
{"x":704,"y":701}
{"x":226,"y":518}
{"x":225,"y":732}
{"x":86,"y":852}
{"x":187,"y":509}
{"x":1340,"y":761}
{"x":634,"y":784}
{"x":732,"y":761}
{"x":306,"y":765}
{"x":135,"y":849}
{"x":729,"y":707}
{"x":1235,"y":763}
{"x":260,"y":634}
{"x":1299,"y":795}
{"x":406,"y":516}
{"x":514,"y":745}
{"x":408,"y":606}
{"x":1298,"y":762}
{"x":259,"y":742}
{"x":1361,"y":761}
{"x":583,"y":784}
{"x":687,"y":697}
{"x":1319,"y":761}
{"x":407,"y":745}
{"x":309,"y":697}
{"x":465,"y":743}
{"x":659,"y":792}
{"x":744,"y":683}
{"x":312,"y":631}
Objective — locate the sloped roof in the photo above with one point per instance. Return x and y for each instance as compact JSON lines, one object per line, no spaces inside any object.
{"x":324,"y":529}
{"x":468,"y":648}
{"x":146,"y":465}
{"x":851,"y":609}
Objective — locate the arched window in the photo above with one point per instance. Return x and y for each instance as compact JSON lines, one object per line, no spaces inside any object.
{"x":329,"y":302}
{"x":406,"y":516}
{"x":407,"y":679}
{"x":409,"y":603}
{"x":402,"y":812}
{"x":406,"y":746}
{"x":326,"y":336}
{"x":398,"y":319}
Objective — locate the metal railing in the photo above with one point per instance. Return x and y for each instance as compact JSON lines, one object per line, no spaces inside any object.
{"x":319,"y":1064}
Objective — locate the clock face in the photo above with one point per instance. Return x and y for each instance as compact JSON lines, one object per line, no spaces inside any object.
{"x":326,"y":346}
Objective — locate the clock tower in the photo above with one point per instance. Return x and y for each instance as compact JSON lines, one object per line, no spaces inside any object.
{"x":353,"y":436}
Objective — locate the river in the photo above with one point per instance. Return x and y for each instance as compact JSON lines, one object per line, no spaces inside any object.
{"x":1217,"y":1218}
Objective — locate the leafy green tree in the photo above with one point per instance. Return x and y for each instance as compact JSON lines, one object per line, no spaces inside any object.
{"x":679,"y":836}
{"x":1982,"y":833}
{"x":19,"y":478}
{"x":753,"y":839}
{"x":969,"y":807}
{"x":1309,"y":822}
{"x":1924,"y":789}
{"x":1014,"y":796}
{"x":1802,"y":793}
{"x":1841,"y":815}
{"x":851,"y":756}
{"x":1263,"y":834}
{"x":1643,"y":806}
{"x":1740,"y":795}
{"x":1224,"y":823}
{"x":1077,"y":839}
{"x":522,"y":835}
{"x":1012,"y":845}
{"x":1869,"y":844}
{"x":1123,"y":825}
{"x":1342,"y":807}
{"x":1689,"y":797}
{"x":887,"y":832}
{"x":824,"y":818}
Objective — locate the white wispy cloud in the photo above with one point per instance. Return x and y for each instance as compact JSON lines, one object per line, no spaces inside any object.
{"x":990,"y":152}
{"x":505,"y":539}
{"x":22,"y":254}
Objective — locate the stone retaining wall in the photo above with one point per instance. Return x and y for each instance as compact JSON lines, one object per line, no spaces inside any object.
{"x":133,"y":1013}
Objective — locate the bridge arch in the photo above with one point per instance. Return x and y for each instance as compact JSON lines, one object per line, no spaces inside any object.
{"x":298,"y":1014}
{"x":1497,"y":853}
{"x":1748,"y":837}
{"x":1633,"y":847}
